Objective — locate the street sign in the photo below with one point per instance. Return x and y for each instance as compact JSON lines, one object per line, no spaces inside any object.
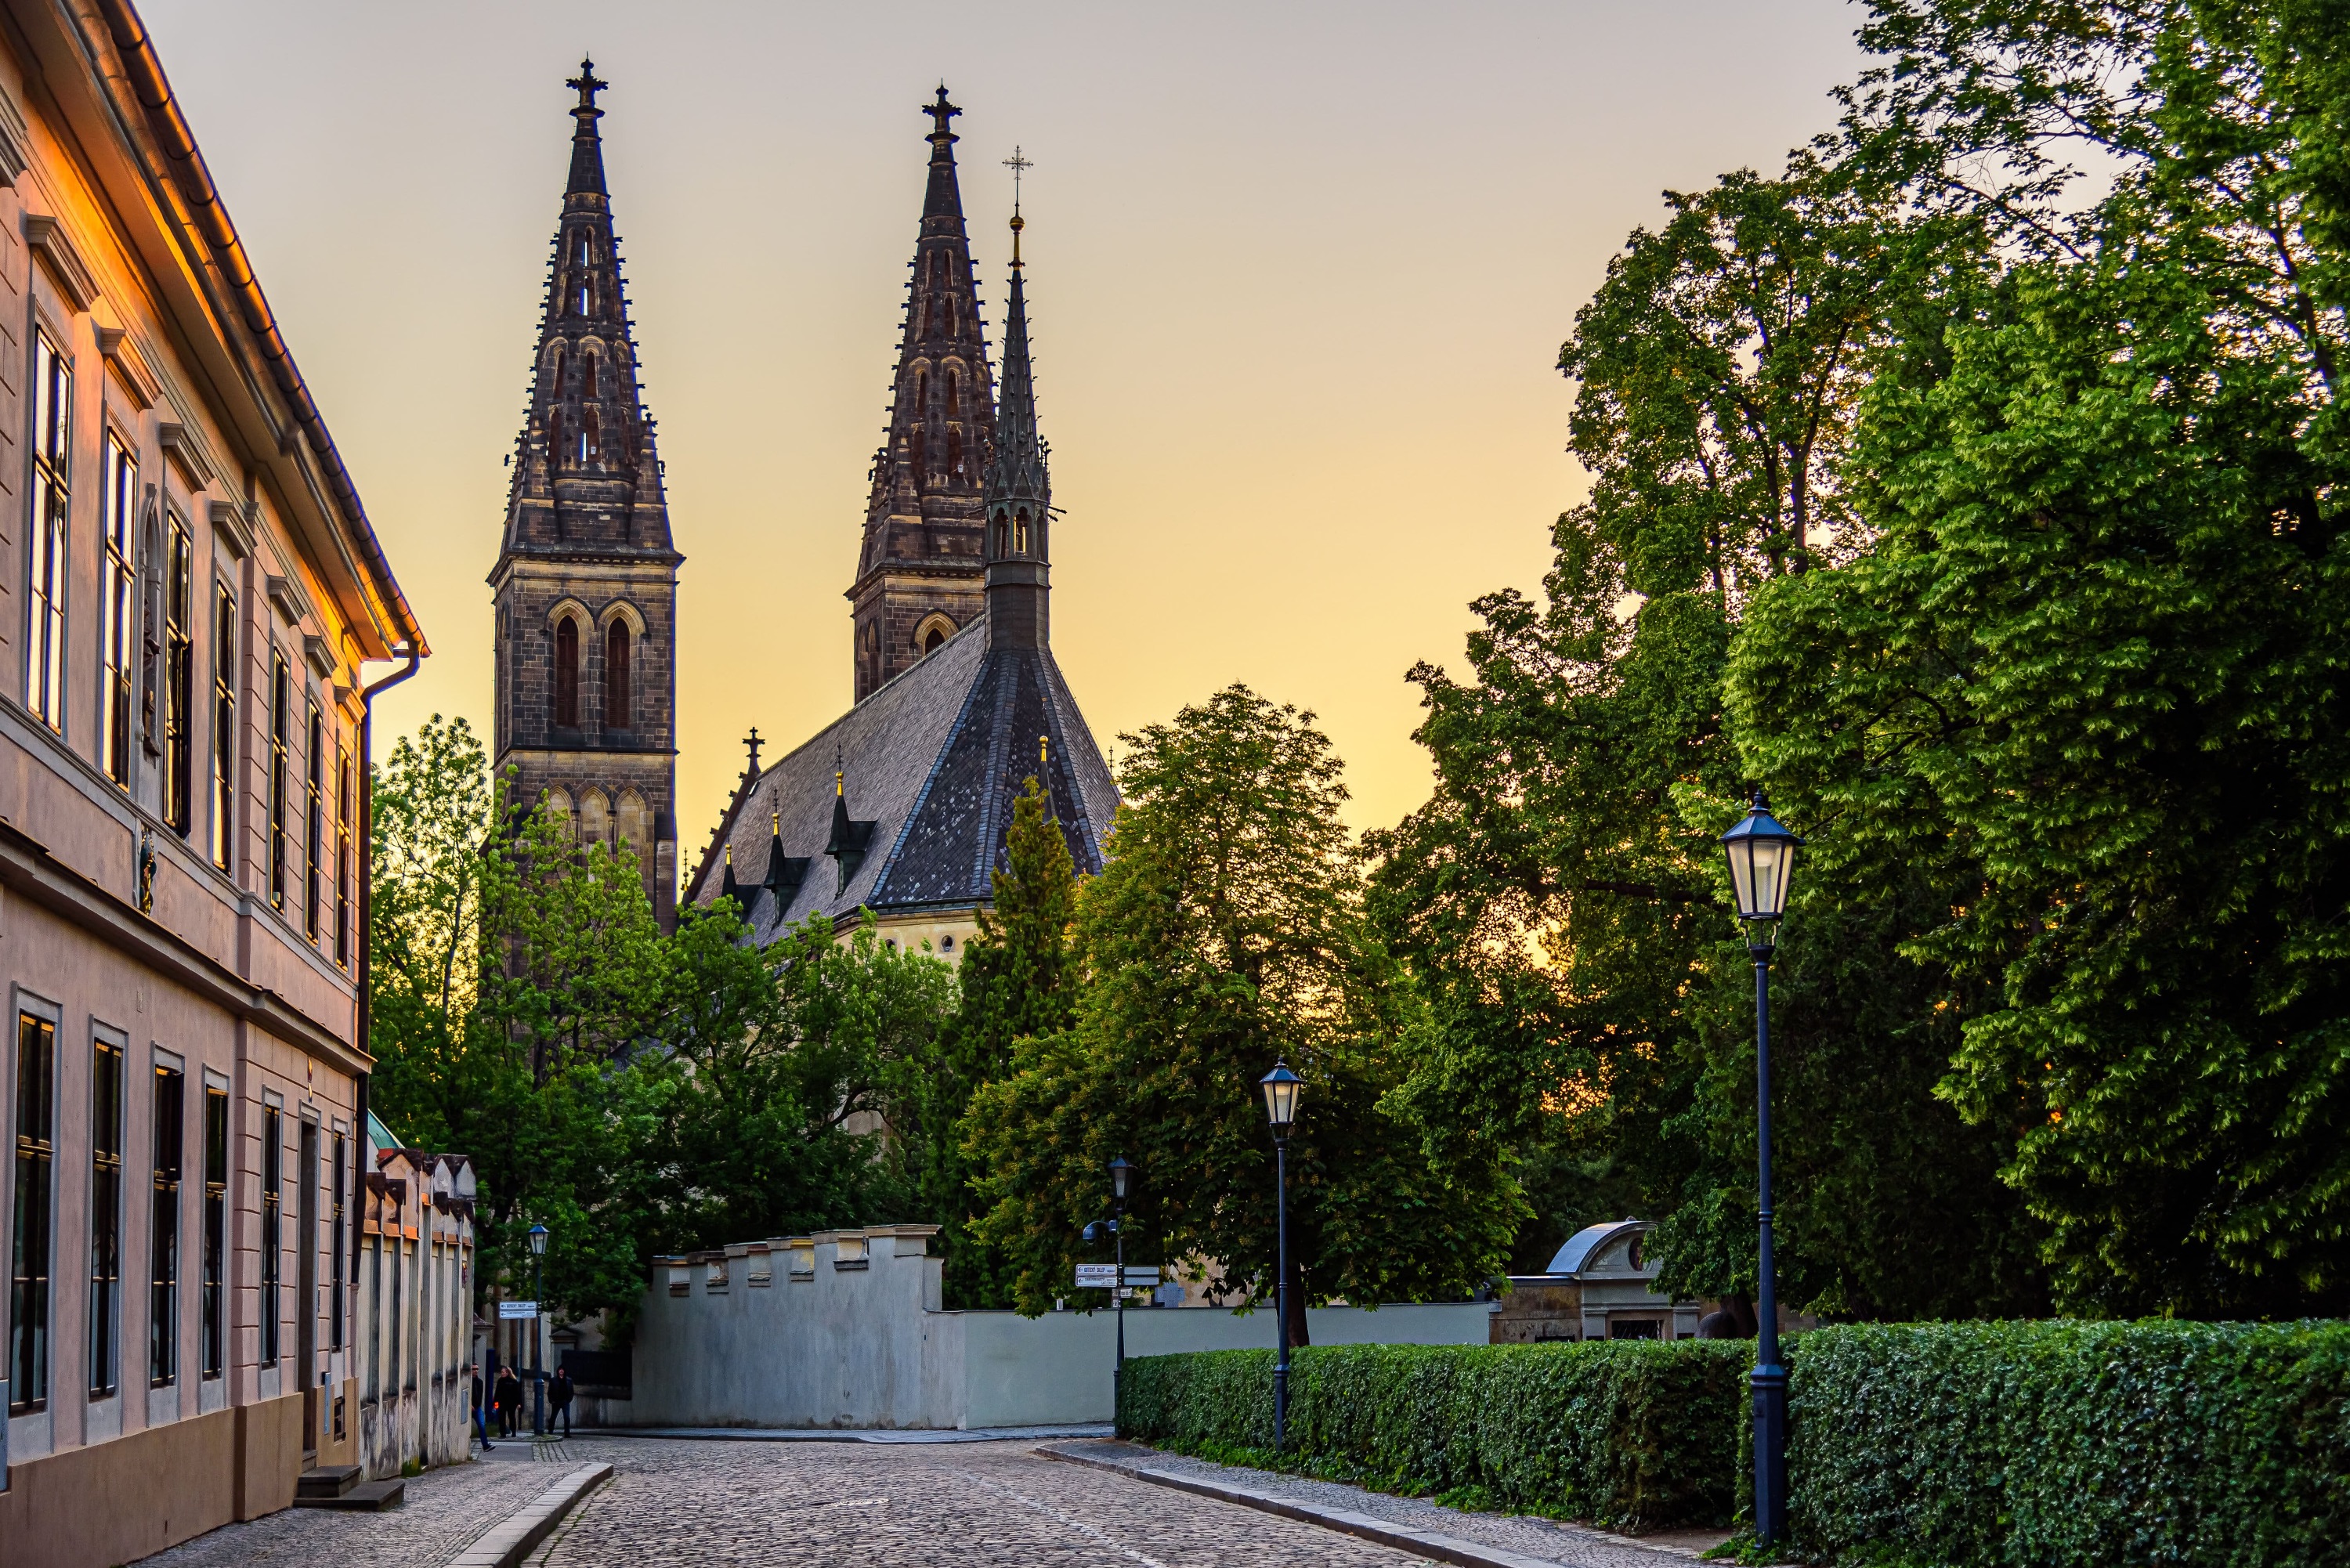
{"x":517,"y":1309}
{"x":1104,"y":1277}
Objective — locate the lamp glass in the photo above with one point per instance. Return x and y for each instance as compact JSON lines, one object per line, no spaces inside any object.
{"x":538,"y":1240}
{"x":1281,"y":1089}
{"x":1762,"y":856}
{"x":1121,"y":1178}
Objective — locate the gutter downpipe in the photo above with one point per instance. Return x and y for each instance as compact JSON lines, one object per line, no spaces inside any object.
{"x":367,"y":919}
{"x":170,"y":127}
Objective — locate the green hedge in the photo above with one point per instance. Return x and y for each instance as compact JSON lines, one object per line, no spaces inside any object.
{"x":1626,"y":1433}
{"x":2058,"y":1444}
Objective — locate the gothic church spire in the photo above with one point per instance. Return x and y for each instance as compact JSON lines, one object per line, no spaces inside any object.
{"x":1019,"y":486}
{"x":920,"y":565}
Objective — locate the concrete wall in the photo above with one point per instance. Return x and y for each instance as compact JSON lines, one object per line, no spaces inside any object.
{"x":803,"y":1333}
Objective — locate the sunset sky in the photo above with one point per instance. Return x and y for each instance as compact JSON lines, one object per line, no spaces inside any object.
{"x":1298,"y":277}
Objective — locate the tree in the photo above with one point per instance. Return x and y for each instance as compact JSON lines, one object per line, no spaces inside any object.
{"x":1227,"y":933}
{"x":1015,"y":983}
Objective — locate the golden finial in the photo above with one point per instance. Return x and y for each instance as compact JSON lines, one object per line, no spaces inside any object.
{"x":729,"y":852}
{"x":775,"y":822}
{"x":1044,"y":751}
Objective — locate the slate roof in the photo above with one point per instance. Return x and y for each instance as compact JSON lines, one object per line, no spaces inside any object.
{"x":931,"y":762}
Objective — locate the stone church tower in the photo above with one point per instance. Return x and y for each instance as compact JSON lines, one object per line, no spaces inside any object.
{"x":921,"y":566}
{"x":586,"y":585}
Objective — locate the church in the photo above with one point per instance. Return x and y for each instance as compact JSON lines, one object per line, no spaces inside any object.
{"x":901,"y":805}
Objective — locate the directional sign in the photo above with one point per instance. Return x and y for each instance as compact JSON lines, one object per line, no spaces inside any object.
{"x":519,"y":1309}
{"x":1104,"y":1277}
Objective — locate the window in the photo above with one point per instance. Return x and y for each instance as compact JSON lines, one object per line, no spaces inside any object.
{"x":615,"y":675}
{"x":932,"y":643}
{"x":105,"y":1217}
{"x":1020,"y":532}
{"x":591,"y":436}
{"x":216,"y":1331}
{"x":589,"y":383}
{"x":586,"y":296}
{"x":954,"y":451}
{"x":28,"y":1281}
{"x":1003,"y":537}
{"x":179,"y":676}
{"x":223,"y":729}
{"x":117,"y":591}
{"x":917,"y":446}
{"x":921,"y":393}
{"x":342,"y":860}
{"x":335,"y":1279}
{"x":163,"y":1233}
{"x":314,"y":820}
{"x":272,"y":1229}
{"x":281,"y":720}
{"x":45,"y":632}
{"x":954,"y":405}
{"x":566,"y":673}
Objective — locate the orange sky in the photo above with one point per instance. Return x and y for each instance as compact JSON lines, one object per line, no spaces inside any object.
{"x":1299,"y":276}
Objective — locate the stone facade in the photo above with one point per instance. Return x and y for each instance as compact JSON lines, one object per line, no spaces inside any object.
{"x":585,"y":590}
{"x":921,"y":562}
{"x":188,"y":588}
{"x":412,"y":1330}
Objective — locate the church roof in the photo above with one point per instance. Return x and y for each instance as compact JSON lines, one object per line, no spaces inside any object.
{"x":926,"y":769}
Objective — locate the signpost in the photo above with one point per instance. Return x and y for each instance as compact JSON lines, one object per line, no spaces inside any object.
{"x":517,"y":1309}
{"x":1104,"y":1277}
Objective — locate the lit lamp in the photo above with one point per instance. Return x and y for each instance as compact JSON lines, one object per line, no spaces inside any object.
{"x":1761,"y":855}
{"x":537,"y":1326}
{"x":1280,"y":1088}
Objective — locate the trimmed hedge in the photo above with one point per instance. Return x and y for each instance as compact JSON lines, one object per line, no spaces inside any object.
{"x":1625,"y":1433}
{"x":2060,"y":1444}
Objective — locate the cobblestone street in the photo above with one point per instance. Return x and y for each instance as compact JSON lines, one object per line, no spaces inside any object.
{"x":974,"y":1505}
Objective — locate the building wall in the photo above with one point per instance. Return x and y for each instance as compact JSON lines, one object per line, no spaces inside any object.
{"x":844,"y":1330}
{"x":412,"y":1327}
{"x":125,"y":920}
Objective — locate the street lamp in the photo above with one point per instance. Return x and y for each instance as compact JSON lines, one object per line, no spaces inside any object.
{"x":1121,"y":1182}
{"x":1280,"y":1087}
{"x":537,"y":1322}
{"x":1762,"y":856}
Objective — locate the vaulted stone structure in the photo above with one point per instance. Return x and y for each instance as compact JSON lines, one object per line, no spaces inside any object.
{"x":586,"y":584}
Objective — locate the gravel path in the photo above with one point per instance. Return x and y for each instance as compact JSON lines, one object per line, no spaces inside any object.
{"x":1570,"y":1545}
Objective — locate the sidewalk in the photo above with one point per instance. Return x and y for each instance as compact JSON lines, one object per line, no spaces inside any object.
{"x":850,"y":1434}
{"x":1411,"y":1524}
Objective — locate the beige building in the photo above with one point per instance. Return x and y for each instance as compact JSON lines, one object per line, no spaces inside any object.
{"x":188,"y":588}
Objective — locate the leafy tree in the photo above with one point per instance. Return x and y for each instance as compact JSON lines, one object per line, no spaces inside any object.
{"x":1228,"y":933}
{"x":1015,"y":983}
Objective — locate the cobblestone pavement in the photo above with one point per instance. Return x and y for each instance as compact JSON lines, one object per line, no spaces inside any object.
{"x":445,"y":1511}
{"x":974,"y":1505}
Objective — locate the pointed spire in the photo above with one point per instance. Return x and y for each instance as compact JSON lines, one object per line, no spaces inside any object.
{"x":590,"y":475}
{"x":944,"y":198}
{"x":586,"y":147}
{"x":1019,"y":485}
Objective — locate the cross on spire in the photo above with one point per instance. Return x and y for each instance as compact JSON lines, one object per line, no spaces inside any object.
{"x":589,"y":85}
{"x":941,"y":112}
{"x":1019,"y":165}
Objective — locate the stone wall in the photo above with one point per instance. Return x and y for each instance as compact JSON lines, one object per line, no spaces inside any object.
{"x":843,"y":1329}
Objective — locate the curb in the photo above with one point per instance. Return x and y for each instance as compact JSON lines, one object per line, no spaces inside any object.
{"x":1402,"y":1537}
{"x":508,"y":1543}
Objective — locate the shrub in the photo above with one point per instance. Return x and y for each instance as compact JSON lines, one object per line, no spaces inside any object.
{"x":1628,"y":1434}
{"x":2057,"y":1444}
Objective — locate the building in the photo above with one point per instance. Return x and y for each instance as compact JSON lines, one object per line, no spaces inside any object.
{"x":413,"y":1323}
{"x":585,"y":590}
{"x":901,"y":805}
{"x":1600,"y":1285}
{"x":188,"y":587}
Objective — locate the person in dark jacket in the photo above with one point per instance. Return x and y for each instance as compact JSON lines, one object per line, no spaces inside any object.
{"x":480,"y":1410}
{"x":509,"y":1400}
{"x":558,"y":1398}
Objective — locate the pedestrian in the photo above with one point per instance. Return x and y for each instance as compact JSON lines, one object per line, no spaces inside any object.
{"x":559,"y":1395}
{"x":509,"y":1400}
{"x":480,"y":1409}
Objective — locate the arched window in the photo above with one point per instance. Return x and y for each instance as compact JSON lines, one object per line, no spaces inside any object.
{"x":954,"y":451}
{"x":1020,"y":533}
{"x":591,"y":436}
{"x":918,"y":450}
{"x":555,"y":433}
{"x":584,"y":297}
{"x":566,"y":673}
{"x":1002,"y":536}
{"x":932,"y":643}
{"x":555,"y":371}
{"x":921,"y":391}
{"x":615,"y":675}
{"x":954,"y":404}
{"x":588,"y":376}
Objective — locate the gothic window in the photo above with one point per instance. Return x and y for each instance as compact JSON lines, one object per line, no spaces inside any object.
{"x":585,"y":297}
{"x":917,"y":451}
{"x":595,"y":818}
{"x":933,"y":642}
{"x":1003,"y":537}
{"x":615,"y":675}
{"x":556,"y":804}
{"x":555,"y":371}
{"x":921,"y":391}
{"x":954,"y":451}
{"x":591,"y":436}
{"x":555,"y":431}
{"x":954,"y":405}
{"x":1020,"y":533}
{"x":631,"y":821}
{"x":566,"y":673}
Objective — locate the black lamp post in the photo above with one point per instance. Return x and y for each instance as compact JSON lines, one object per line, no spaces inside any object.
{"x":1761,"y":857}
{"x":1121,"y":1182}
{"x":538,"y":1302}
{"x":1281,"y":1086}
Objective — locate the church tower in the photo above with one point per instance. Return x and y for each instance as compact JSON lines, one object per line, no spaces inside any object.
{"x":1019,"y":486}
{"x":921,"y":567}
{"x":585,"y":590}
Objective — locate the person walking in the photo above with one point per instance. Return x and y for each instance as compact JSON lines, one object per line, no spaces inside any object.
{"x":509,"y":1400}
{"x":480,"y":1409}
{"x":558,"y":1398}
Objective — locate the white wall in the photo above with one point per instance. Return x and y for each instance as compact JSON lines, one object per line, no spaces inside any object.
{"x":870,"y":1348}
